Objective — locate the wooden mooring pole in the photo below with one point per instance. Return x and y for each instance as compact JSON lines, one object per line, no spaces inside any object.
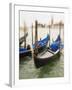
{"x":24,"y":35}
{"x":60,"y":31}
{"x":32,"y":34}
{"x":36,"y":37}
{"x":49,"y":34}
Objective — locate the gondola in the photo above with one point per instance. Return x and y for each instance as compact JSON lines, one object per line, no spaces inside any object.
{"x":40,"y":44}
{"x":49,"y":54}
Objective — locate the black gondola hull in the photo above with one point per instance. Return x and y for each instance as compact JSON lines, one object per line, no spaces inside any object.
{"x":39,"y":62}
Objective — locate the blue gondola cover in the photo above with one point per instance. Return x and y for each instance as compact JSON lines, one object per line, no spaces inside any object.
{"x":56,"y":44}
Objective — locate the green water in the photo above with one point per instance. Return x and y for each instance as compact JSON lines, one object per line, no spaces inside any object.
{"x":27,"y":69}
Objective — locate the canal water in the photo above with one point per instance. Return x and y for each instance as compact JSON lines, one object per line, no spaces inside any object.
{"x":27,"y":69}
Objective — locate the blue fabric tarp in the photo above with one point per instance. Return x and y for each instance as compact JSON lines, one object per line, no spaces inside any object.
{"x":23,"y":49}
{"x":56,"y":44}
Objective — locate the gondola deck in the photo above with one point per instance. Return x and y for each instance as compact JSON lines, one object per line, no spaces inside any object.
{"x":44,"y":55}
